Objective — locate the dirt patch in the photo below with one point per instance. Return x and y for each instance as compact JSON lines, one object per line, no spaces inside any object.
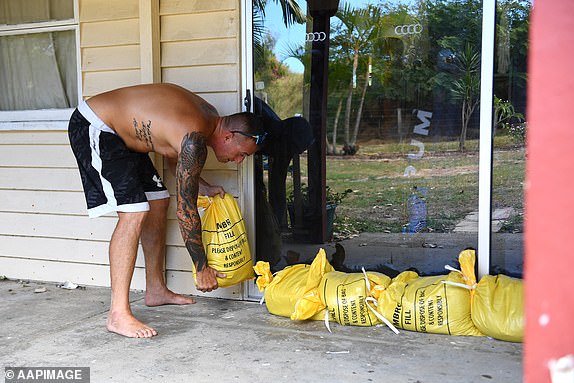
{"x":452,"y":171}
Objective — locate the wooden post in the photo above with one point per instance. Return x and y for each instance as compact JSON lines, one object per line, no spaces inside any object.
{"x":150,"y":64}
{"x":321,"y":11}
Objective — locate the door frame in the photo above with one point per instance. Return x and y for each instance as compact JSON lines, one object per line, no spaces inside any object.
{"x":246,"y":172}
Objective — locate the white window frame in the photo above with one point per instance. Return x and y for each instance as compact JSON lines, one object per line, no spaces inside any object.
{"x":485,"y":140}
{"x":43,"y":119}
{"x":246,"y":172}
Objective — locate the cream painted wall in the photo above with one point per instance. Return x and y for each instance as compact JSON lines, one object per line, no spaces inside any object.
{"x":45,"y":233}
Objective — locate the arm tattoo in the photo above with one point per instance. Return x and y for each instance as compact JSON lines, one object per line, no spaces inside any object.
{"x":189,"y":164}
{"x":143,"y":132}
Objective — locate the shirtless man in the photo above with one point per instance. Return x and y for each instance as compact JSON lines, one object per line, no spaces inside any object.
{"x":110,"y":135}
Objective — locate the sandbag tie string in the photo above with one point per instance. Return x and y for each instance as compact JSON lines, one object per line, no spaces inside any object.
{"x":379,"y":315}
{"x":367,"y":300}
{"x":327,"y":321}
{"x":460,"y":285}
{"x":371,"y":299}
{"x":366,"y":280}
{"x":450,"y":268}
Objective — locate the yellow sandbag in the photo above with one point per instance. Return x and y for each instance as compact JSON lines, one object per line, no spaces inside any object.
{"x":225,"y":239}
{"x":284,"y":289}
{"x":345,"y":296}
{"x":498,"y":307}
{"x":427,"y":304}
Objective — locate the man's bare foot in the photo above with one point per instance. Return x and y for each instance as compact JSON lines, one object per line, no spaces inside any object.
{"x":127,"y":325}
{"x":166,"y":297}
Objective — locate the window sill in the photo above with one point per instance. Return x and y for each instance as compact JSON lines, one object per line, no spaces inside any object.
{"x":48,"y":119}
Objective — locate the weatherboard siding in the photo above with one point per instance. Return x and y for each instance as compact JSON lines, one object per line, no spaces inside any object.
{"x":45,"y":233}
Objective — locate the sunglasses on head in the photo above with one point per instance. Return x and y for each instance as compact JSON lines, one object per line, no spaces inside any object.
{"x":259,"y":138}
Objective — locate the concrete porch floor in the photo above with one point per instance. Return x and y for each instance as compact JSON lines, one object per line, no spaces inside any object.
{"x":219,"y":340}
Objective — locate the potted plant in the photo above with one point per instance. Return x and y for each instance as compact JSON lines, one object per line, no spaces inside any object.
{"x":334,"y":199}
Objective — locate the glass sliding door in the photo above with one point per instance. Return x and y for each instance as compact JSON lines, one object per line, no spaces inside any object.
{"x":401,"y":138}
{"x":404,"y":82}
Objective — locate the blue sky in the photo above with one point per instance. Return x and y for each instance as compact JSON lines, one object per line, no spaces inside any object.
{"x":295,"y":35}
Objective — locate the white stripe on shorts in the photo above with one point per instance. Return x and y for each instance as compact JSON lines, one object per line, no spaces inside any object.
{"x":153,"y":195}
{"x":89,"y":115}
{"x":97,"y":164}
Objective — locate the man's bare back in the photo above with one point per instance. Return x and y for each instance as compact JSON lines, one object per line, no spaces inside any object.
{"x":155,"y":117}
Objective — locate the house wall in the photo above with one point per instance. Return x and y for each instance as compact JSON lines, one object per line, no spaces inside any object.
{"x":44,"y":229}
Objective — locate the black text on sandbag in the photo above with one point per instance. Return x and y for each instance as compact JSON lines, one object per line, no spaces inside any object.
{"x":223,"y":225}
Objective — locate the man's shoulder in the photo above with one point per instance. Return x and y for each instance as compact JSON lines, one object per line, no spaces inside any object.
{"x":193,"y":129}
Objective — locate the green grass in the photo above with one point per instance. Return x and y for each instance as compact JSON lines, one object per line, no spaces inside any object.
{"x":381,"y":190}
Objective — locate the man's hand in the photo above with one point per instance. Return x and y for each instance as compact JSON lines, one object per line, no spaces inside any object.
{"x":211,"y":190}
{"x":206,"y":280}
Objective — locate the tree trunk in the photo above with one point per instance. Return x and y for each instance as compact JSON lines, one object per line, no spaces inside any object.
{"x":360,"y":109}
{"x":350,"y":97}
{"x":336,"y":124}
{"x":464,"y":126}
{"x":348,"y":113}
{"x":494,"y":121}
{"x":467,"y":110}
{"x":355,"y":67}
{"x":328,"y":147}
{"x":400,"y":125}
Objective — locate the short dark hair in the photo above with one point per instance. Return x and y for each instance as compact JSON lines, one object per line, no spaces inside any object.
{"x":245,"y":122}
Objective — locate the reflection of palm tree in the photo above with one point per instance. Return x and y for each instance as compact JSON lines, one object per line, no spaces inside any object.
{"x":298,"y":52}
{"x":355,"y":34}
{"x":339,"y":77}
{"x":292,"y":13}
{"x":467,"y":87}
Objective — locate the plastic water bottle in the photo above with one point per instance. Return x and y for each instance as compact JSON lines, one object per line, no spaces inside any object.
{"x":417,"y":209}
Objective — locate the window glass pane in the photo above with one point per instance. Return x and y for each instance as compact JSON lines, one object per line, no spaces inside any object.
{"x":509,"y":128}
{"x":406,"y":77}
{"x":402,"y":130}
{"x":32,"y":11}
{"x":38,"y":71}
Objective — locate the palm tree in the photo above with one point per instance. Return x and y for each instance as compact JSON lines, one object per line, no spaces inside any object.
{"x":467,"y":87}
{"x":292,"y":13}
{"x":338,"y":79}
{"x":354,"y":34}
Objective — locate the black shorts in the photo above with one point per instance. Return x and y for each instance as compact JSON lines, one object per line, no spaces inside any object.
{"x":114,"y":177}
